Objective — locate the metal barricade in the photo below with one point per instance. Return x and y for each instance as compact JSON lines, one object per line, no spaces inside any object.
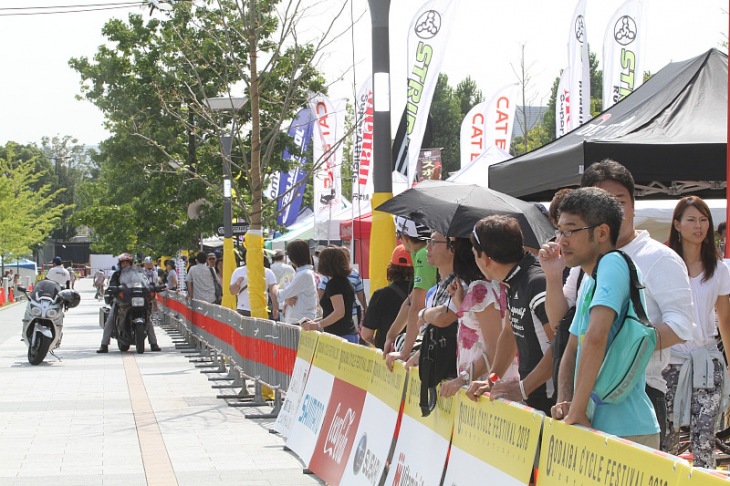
{"x":261,"y":350}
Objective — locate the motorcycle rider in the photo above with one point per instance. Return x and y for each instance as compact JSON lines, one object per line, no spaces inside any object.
{"x":59,"y":274}
{"x":125,"y":275}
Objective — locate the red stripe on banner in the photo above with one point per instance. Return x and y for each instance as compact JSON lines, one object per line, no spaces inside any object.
{"x":277,"y":357}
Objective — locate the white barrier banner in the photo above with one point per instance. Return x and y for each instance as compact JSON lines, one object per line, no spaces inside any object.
{"x":344,"y":412}
{"x":423,"y":442}
{"x":493,"y":439}
{"x":374,"y":437}
{"x":315,"y":398}
{"x":302,"y":364}
{"x":623,"y":52}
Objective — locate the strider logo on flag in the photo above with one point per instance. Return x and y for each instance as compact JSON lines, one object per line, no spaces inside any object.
{"x":622,"y":52}
{"x":427,"y":40}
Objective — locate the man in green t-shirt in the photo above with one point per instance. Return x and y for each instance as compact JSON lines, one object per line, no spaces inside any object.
{"x":414,"y":237}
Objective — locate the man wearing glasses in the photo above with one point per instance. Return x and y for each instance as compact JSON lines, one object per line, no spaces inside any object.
{"x":414,"y":237}
{"x":590,"y":221}
{"x":664,"y":275}
{"x":498,"y":250}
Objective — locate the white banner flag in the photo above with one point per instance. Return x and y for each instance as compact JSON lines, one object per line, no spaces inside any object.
{"x":427,"y":39}
{"x":471,"y":136}
{"x":362,"y":156}
{"x":500,"y":117}
{"x":562,"y":105}
{"x":329,"y":129}
{"x":579,"y":63}
{"x":623,"y":52}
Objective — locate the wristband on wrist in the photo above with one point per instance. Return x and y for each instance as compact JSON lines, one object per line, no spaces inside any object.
{"x":421,"y":313}
{"x":522,"y":390}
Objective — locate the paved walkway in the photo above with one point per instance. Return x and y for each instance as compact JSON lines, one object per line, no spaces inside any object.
{"x":123,"y":418}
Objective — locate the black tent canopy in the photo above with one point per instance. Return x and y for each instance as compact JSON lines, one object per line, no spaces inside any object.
{"x":671,"y":133}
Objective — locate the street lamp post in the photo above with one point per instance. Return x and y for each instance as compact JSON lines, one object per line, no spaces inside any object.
{"x":227,"y":104}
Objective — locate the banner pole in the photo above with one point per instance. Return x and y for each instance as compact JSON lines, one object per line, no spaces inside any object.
{"x":382,"y":239}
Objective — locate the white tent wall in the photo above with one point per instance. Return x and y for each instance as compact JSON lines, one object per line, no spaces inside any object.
{"x":655,"y":216}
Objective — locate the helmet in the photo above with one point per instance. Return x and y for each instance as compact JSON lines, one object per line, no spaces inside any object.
{"x":411,"y":228}
{"x":148,"y":260}
{"x":125,"y":257}
{"x":71,"y":297}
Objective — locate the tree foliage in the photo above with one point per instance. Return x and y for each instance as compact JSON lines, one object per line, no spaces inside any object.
{"x":151,"y":81}
{"x":28,"y":208}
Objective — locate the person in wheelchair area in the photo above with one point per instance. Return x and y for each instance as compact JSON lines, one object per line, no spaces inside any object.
{"x":125,"y":275}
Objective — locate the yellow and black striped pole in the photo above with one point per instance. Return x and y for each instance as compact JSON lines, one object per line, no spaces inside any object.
{"x":382,"y":234}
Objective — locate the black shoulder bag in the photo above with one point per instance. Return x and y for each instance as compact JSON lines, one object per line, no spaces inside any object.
{"x":562,"y":333}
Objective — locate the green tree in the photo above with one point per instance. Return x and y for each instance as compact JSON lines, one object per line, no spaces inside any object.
{"x":468,"y":94}
{"x":28,"y":211}
{"x":446,"y":118}
{"x":152,"y":86}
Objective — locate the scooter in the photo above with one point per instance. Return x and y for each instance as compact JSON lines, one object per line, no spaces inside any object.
{"x":133,"y":330}
{"x":43,"y":320}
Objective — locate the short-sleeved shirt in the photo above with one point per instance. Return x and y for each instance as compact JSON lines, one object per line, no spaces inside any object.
{"x":59,"y":275}
{"x":355,"y":280}
{"x":383,"y":309}
{"x":244,"y":301}
{"x":424,"y":275}
{"x":527,"y":315}
{"x":635,"y":415}
{"x":339,"y":286}
{"x":203,"y":282}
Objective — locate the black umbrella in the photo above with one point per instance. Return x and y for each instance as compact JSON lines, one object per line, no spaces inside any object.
{"x":453,"y":209}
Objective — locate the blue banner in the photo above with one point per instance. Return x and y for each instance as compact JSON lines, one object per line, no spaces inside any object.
{"x":291,"y":187}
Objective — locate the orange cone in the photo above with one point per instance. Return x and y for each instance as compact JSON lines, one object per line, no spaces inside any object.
{"x":30,"y":288}
{"x":11,"y":295}
{"x":2,"y":296}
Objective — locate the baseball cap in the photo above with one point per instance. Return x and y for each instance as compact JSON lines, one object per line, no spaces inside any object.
{"x":411,"y":228}
{"x":57,"y":260}
{"x":401,"y":257}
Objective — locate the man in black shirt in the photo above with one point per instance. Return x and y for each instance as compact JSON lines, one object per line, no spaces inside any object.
{"x":499,"y":252}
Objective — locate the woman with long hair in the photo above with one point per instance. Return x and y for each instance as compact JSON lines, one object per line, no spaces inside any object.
{"x":697,"y":379}
{"x":481,"y":305}
{"x":338,"y":297}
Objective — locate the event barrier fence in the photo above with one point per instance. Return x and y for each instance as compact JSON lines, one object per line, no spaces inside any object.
{"x":352,"y":421}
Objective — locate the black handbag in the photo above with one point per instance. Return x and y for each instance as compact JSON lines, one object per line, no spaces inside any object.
{"x":437,"y":362}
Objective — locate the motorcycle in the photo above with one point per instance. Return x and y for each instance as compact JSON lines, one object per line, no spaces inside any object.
{"x":138,"y":299}
{"x":43,"y":320}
